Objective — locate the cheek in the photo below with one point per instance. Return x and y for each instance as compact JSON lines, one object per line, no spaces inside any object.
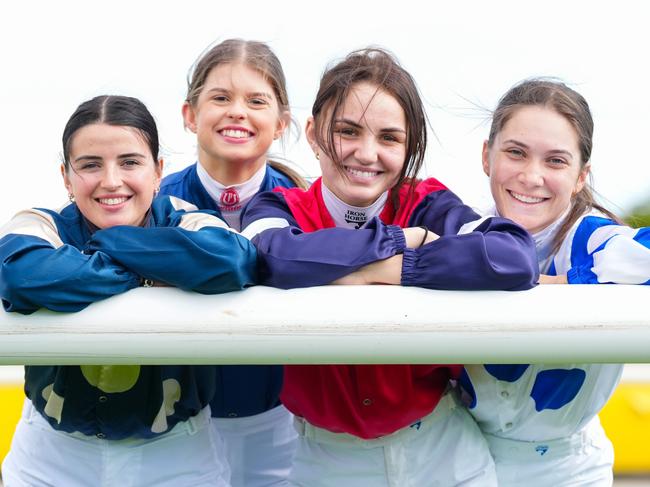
{"x":79,"y":186}
{"x":327,"y":167}
{"x":499,"y":173}
{"x":399,"y":162}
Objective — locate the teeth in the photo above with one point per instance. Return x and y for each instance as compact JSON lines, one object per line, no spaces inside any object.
{"x":237,"y":134}
{"x":526,"y":199}
{"x":362,"y":174}
{"x":113,"y":201}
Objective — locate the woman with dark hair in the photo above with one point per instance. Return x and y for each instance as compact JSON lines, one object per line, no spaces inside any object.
{"x":541,"y":421}
{"x":126,"y":425}
{"x":369,"y":220}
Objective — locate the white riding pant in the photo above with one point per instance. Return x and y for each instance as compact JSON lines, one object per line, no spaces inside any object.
{"x":583,"y":459}
{"x":444,"y":449}
{"x":189,"y":455}
{"x":260,"y":448}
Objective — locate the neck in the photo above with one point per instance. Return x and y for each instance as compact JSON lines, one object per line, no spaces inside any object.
{"x":231,"y":172}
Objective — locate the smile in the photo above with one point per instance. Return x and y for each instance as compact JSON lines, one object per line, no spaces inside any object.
{"x":362,"y":174}
{"x":113,"y":201}
{"x":526,"y":199}
{"x":236,"y":133}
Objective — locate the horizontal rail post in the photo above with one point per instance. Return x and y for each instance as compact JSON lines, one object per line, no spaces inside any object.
{"x":340,"y":324}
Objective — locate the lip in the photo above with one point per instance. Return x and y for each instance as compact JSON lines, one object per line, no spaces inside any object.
{"x":526,"y":199}
{"x":362,"y":174}
{"x":234,"y":134}
{"x":113,"y":202}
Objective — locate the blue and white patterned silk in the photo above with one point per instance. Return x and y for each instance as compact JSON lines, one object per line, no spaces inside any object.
{"x":543,"y":402}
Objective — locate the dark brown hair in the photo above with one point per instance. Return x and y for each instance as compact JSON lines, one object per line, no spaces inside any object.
{"x":571,"y":105}
{"x":380,"y":68}
{"x":112,"y":110}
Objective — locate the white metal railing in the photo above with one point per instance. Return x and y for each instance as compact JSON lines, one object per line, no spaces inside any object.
{"x":340,"y":324}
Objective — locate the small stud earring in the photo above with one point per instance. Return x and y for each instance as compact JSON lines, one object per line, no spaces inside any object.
{"x":71,"y":197}
{"x":317,"y":154}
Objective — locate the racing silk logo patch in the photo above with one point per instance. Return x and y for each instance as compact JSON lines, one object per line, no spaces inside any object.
{"x":229,"y":200}
{"x":356,"y":218}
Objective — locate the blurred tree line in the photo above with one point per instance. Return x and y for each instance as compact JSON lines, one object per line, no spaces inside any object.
{"x":639,"y":216}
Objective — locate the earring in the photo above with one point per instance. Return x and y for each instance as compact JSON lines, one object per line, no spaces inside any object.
{"x":317,"y":154}
{"x":71,"y":197}
{"x":155,"y":192}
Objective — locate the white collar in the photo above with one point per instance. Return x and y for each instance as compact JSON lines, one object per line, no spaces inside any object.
{"x":349,"y":216}
{"x":245,"y":190}
{"x":231,"y":199}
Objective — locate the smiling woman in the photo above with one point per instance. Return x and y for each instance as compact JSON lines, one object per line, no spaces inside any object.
{"x":369,"y":220}
{"x":115,"y":236}
{"x":535,"y":167}
{"x":237,"y":104}
{"x":370,"y":147}
{"x":538,"y":159}
{"x":236,"y":117}
{"x":110,"y":174}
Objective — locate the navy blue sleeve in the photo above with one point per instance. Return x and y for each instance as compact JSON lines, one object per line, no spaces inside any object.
{"x":491,"y":253}
{"x":291,"y":258}
{"x":34,"y":274}
{"x":209,"y":258}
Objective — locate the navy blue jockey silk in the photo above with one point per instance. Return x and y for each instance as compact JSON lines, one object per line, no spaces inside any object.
{"x":241,"y":390}
{"x":59,"y":261}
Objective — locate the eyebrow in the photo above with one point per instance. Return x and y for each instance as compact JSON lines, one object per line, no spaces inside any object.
{"x":555,"y":151}
{"x":98,"y":158}
{"x":228,"y":92}
{"x":358,"y":125}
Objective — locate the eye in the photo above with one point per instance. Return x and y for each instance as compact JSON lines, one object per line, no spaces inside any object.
{"x":220,"y":98}
{"x":130,"y":162}
{"x":516,"y":153}
{"x":346,"y":131}
{"x":88,"y":166}
{"x":557,"y":161}
{"x":390,"y":138}
{"x":258,"y":102}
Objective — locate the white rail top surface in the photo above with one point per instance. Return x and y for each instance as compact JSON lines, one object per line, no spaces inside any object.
{"x":340,"y":324}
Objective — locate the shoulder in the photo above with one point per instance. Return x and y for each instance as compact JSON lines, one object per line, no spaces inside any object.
{"x":593,"y":229}
{"x":177,"y":178}
{"x":276,"y":177}
{"x":269,"y":199}
{"x":268,"y":209}
{"x":430,"y":185}
{"x":42,"y":223}
{"x":589,"y":232}
{"x":432,"y":196}
{"x":426,"y":190}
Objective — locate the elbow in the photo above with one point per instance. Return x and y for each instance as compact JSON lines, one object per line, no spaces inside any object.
{"x":526,"y":278}
{"x":519,"y":272}
{"x":15,"y":295}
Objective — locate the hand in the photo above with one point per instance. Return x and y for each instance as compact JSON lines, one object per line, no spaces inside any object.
{"x":546,"y":279}
{"x":387,"y":271}
{"x":418,"y":236}
{"x":356,"y":278}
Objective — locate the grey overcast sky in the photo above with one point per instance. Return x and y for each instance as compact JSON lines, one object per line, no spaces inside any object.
{"x":463,"y":55}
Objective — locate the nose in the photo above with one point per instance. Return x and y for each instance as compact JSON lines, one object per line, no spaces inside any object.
{"x":111,"y":178}
{"x":367,"y":151}
{"x":532,"y":175}
{"x":236,"y":109}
